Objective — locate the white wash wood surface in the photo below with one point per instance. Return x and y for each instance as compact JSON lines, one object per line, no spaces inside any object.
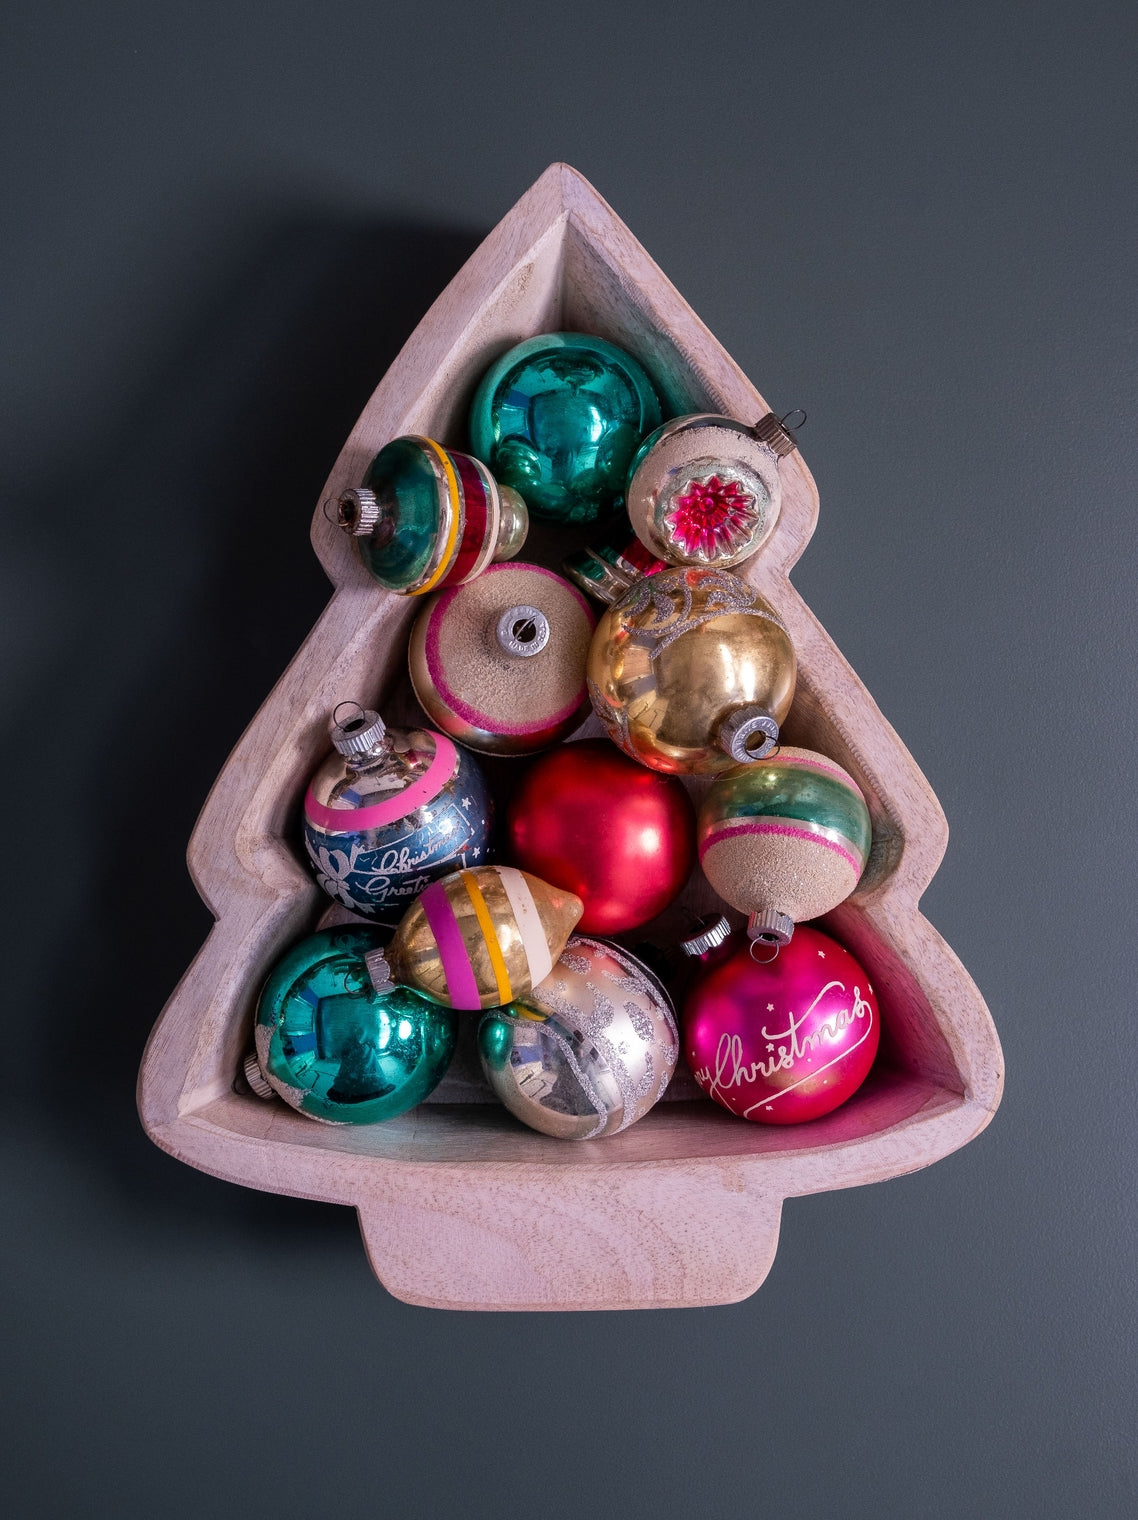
{"x":460,"y":1205}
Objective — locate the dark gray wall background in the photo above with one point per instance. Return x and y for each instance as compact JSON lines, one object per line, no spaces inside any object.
{"x":917,"y":224}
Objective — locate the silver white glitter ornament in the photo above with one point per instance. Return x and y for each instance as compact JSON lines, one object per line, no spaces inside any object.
{"x":589,"y":1051}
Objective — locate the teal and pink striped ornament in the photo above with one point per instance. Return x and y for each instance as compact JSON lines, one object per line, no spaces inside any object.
{"x":784,"y":839}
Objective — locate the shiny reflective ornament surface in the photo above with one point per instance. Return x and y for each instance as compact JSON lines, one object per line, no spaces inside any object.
{"x":480,"y":938}
{"x":427,"y":516}
{"x":705,"y":490}
{"x":587,"y":1053}
{"x":391,"y":810}
{"x":589,"y":819}
{"x":500,"y":663}
{"x":692,"y":671}
{"x":336,"y":1049}
{"x":559,"y":418}
{"x":786,"y":838}
{"x":784,"y":1041}
{"x":606,"y":569}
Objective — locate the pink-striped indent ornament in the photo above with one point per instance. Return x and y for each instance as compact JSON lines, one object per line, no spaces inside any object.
{"x":784,"y":839}
{"x":499,"y":664}
{"x":786,"y":1040}
{"x":478,"y":938}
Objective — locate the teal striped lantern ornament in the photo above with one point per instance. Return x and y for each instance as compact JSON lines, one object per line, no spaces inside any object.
{"x":784,"y":840}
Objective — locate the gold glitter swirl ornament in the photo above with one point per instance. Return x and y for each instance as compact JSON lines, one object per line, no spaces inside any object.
{"x":692,"y":671}
{"x":478,"y":938}
{"x":587,"y":1053}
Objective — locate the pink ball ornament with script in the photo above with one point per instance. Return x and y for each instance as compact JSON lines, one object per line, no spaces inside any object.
{"x":785,"y":1041}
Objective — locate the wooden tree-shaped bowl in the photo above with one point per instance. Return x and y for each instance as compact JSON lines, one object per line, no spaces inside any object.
{"x":461,"y":1206}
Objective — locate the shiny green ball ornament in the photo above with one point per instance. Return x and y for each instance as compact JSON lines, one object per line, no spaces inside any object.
{"x":558,"y":418}
{"x":335,"y":1048}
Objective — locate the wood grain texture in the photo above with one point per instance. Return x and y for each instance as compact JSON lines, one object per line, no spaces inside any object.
{"x":460,"y":1206}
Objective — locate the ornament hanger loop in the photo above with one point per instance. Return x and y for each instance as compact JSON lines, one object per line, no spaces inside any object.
{"x":335,"y":711}
{"x":795,"y":411}
{"x":330,"y":511}
{"x":766,"y":945}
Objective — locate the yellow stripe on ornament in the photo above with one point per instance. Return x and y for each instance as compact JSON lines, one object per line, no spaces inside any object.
{"x":493,"y":949}
{"x":456,"y":513}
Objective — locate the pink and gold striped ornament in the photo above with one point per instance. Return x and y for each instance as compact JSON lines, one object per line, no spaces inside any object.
{"x":482,"y":937}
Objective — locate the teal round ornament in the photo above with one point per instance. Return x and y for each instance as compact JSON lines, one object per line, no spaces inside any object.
{"x":559,"y":418}
{"x":336,"y":1049}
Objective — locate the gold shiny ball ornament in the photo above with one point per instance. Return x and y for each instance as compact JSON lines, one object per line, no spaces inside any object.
{"x":478,"y":938}
{"x":499,"y":664}
{"x":705,"y":490}
{"x":692,"y":672}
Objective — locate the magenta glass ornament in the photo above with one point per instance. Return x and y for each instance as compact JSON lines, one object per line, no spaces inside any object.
{"x":784,"y":1041}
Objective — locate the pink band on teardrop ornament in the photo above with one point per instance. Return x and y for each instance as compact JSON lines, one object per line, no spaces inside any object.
{"x":462,"y":988}
{"x":426,"y":789}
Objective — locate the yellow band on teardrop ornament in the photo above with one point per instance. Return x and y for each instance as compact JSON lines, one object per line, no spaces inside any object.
{"x":493,"y":949}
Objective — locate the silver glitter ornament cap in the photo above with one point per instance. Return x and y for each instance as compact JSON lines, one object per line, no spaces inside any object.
{"x":256,"y":1077}
{"x":770,"y":927}
{"x":359,"y":734}
{"x":712,"y":932}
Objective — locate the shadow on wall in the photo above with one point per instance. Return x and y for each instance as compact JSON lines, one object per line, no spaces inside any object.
{"x":191,"y":584}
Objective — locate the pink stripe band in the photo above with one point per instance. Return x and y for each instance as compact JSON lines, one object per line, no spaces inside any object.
{"x":758,"y":826}
{"x":426,"y":789}
{"x":462,"y":989}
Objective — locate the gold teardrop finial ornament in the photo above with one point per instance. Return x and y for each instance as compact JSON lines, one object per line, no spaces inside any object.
{"x":692,"y":672}
{"x":481,"y":937}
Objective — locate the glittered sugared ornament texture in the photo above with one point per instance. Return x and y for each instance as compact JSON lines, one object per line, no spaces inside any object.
{"x":483,"y":693}
{"x":790,"y":833}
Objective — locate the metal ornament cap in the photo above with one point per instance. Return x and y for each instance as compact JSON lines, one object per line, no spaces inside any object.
{"x":255,"y":1077}
{"x":771,"y":927}
{"x":523,"y":631}
{"x":704,"y":490}
{"x":713,"y":932}
{"x":358,"y":511}
{"x":358,"y":735}
{"x":749,"y":734}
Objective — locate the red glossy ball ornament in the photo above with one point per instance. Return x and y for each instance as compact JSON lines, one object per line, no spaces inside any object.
{"x":787,"y":1040}
{"x":588,"y":819}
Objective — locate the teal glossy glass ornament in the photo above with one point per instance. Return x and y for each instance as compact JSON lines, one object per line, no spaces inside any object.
{"x":559,"y":418}
{"x":335,"y":1048}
